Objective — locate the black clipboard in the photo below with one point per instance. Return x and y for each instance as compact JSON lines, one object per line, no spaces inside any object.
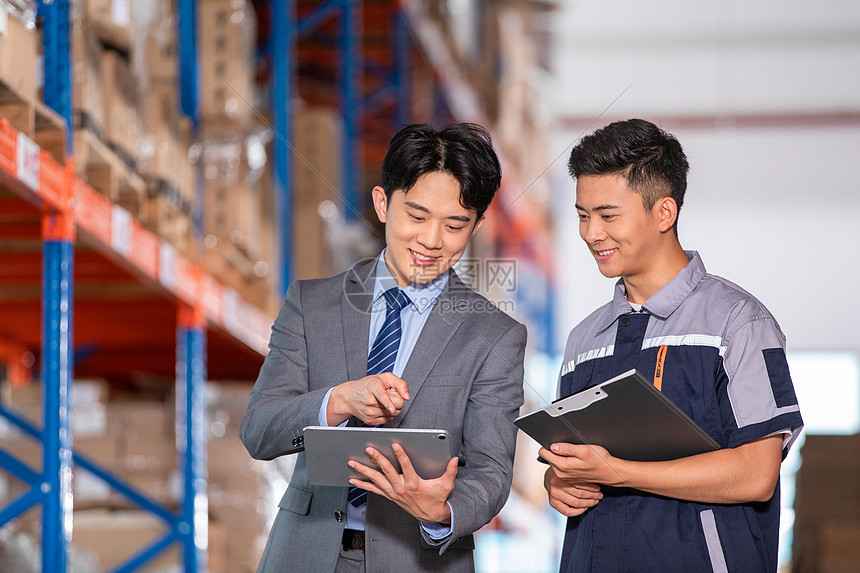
{"x":626,"y":415}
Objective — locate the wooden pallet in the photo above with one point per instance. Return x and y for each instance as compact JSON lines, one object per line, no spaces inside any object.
{"x":108,"y":173}
{"x":231,"y":266}
{"x":169,"y":217}
{"x":34,"y":119}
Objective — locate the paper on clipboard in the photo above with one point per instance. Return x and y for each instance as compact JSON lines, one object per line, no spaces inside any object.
{"x":626,"y":415}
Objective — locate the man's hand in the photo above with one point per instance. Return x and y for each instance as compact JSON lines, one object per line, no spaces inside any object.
{"x":582,"y":464}
{"x":423,"y":499}
{"x":743,"y":474}
{"x":570,"y":499}
{"x":374,"y":399}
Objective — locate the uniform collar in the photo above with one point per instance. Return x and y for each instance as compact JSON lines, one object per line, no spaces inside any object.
{"x":422,"y":295}
{"x":664,"y":302}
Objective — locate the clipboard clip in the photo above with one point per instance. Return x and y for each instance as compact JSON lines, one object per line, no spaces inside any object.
{"x":580,"y":402}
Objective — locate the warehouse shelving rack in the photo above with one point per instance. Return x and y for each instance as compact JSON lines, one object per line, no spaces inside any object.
{"x":343,"y":27}
{"x":127,"y":299}
{"x":139,"y":306}
{"x":87,"y":241}
{"x":132,"y":280}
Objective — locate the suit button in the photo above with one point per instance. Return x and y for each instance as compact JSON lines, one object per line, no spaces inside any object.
{"x":625,"y":321}
{"x":338,"y":515}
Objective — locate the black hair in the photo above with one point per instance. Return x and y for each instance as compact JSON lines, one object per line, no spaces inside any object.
{"x":652,"y":160}
{"x":462,"y":150}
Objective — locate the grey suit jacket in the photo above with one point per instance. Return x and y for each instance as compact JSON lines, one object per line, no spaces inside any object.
{"x":465,"y":376}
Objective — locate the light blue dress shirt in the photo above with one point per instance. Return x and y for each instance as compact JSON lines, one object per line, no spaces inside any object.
{"x":412,"y":319}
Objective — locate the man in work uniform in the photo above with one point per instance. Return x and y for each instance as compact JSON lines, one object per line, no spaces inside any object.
{"x":711,"y":347}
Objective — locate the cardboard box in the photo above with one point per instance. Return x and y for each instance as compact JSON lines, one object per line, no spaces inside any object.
{"x":160,"y":486}
{"x":164,"y":162}
{"x":102,"y":450}
{"x":828,"y":481}
{"x":25,"y":449}
{"x":87,"y":86}
{"x":316,"y":178}
{"x":115,"y":536}
{"x":230,"y":213}
{"x":171,"y":218}
{"x":19,"y":51}
{"x":310,"y":254}
{"x":827,"y":504}
{"x":226,"y":33}
{"x":318,"y":135}
{"x":156,"y":454}
{"x":120,"y":92}
{"x":140,"y":419}
{"x":840,"y":547}
{"x":231,"y":197}
{"x":89,"y":490}
{"x":112,"y":21}
{"x":16,"y":394}
{"x":161,"y":56}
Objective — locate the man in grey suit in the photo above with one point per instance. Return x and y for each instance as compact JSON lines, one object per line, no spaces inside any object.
{"x":399,"y":342}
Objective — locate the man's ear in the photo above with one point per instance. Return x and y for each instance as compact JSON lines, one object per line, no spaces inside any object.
{"x":667,"y":211}
{"x":478,"y":223}
{"x":380,"y":203}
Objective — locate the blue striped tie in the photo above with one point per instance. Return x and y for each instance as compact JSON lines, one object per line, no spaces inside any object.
{"x":382,"y":356}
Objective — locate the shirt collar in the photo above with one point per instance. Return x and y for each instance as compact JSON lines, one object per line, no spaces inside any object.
{"x":664,"y":302}
{"x":423,"y":296}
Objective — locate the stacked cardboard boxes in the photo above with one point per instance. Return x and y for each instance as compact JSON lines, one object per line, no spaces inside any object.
{"x":20,"y":73}
{"x":316,"y":180}
{"x":19,"y":49}
{"x":112,"y":20}
{"x":243,"y":493}
{"x":106,"y":101}
{"x":231,"y":153}
{"x":163,"y":156}
{"x":227,"y":33}
{"x":135,"y":441}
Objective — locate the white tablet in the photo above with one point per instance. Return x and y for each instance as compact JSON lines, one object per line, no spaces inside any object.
{"x":328,"y":449}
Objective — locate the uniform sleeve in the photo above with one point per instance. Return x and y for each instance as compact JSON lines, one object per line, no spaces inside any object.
{"x":754,"y":385}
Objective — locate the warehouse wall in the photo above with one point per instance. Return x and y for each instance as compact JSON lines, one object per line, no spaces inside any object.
{"x":764,"y":100}
{"x":773,"y":210}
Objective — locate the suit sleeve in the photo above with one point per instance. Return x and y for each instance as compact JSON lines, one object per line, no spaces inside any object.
{"x":489,"y":437}
{"x":281,"y":403}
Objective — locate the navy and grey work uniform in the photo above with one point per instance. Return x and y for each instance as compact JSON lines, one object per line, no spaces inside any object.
{"x":723,"y":363}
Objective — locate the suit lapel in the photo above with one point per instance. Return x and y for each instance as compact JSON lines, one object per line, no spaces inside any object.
{"x":355,"y":312}
{"x":443,"y":322}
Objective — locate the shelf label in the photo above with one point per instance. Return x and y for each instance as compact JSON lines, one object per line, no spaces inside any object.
{"x":167,"y":265}
{"x":120,"y":13}
{"x":28,"y":162}
{"x":230,"y":311}
{"x":120,"y":230}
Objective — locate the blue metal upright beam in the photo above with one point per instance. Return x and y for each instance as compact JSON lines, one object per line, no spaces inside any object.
{"x":351,"y":104}
{"x":400,"y":78}
{"x":187,"y":47}
{"x":57,"y":60}
{"x":193,"y":524}
{"x":58,"y":260}
{"x":283,"y":41}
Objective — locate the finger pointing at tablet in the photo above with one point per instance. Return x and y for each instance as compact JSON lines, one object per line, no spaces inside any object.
{"x":374,"y":399}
